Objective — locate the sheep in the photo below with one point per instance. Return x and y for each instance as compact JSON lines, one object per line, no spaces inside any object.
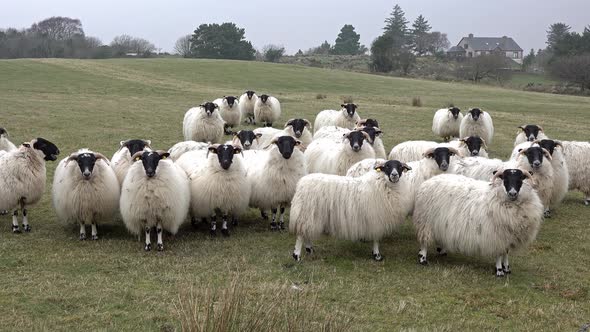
{"x":85,"y":190}
{"x":473,"y":146}
{"x":155,"y":193}
{"x":346,"y":117}
{"x":446,"y":123}
{"x":411,"y":150}
{"x":230,"y":112}
{"x":5,"y":143}
{"x":203,"y":124}
{"x":529,"y":133}
{"x":477,"y":123}
{"x":23,"y":176}
{"x":369,"y":207}
{"x":248,"y":139}
{"x":560,"y":171}
{"x":246,"y":104}
{"x":296,"y":128}
{"x":275,"y":176}
{"x":331,"y":132}
{"x":576,"y":157}
{"x":327,"y":156}
{"x":181,"y":148}
{"x":367,"y":123}
{"x":121,"y":160}
{"x":478,"y":218}
{"x":375,"y":140}
{"x":218,"y":185}
{"x":267,"y":110}
{"x":478,"y":168}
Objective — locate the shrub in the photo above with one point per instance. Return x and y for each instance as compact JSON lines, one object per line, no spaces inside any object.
{"x":416,"y":102}
{"x":347,"y":99}
{"x":320,"y":96}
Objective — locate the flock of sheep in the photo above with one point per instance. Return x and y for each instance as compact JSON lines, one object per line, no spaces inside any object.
{"x":337,"y":180}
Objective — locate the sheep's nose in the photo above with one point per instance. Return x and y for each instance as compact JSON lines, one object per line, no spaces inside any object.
{"x":512,"y":194}
{"x":297,"y":134}
{"x":536,"y":164}
{"x":455,"y":116}
{"x":394,"y":177}
{"x":531,"y":138}
{"x":208,"y":113}
{"x":87,"y":174}
{"x":225,"y":164}
{"x":287,"y":155}
{"x":247,"y":144}
{"x":444,"y":166}
{"x":474,"y":153}
{"x":150,"y":174}
{"x":356,"y":147}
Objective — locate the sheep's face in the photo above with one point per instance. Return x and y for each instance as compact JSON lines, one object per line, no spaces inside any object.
{"x":49,"y":149}
{"x":3,"y":132}
{"x":230,"y":100}
{"x":86,"y":163}
{"x":135,"y":145}
{"x":150,"y":160}
{"x":264,"y":98}
{"x":209,"y":107}
{"x":298,"y":126}
{"x":474,"y":144}
{"x":250,"y":94}
{"x":368,"y":123}
{"x":350,"y":109}
{"x":455,"y":112}
{"x":247,"y":137}
{"x":531,"y":132}
{"x":373,"y":133}
{"x":442,"y":156}
{"x":512,"y":180}
{"x":475,"y":113}
{"x":286,"y":145}
{"x":225,"y":153}
{"x":393,"y":169}
{"x":549,"y":145}
{"x":356,"y":139}
{"x":534,"y":155}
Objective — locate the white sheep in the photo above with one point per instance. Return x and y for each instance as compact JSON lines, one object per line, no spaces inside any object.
{"x":576,"y":157}
{"x":274,"y":177}
{"x":477,"y":123}
{"x":560,"y":170}
{"x":203,"y":124}
{"x":5,"y":143}
{"x":249,"y":139}
{"x":411,"y":150}
{"x":267,"y":110}
{"x":181,"y":148}
{"x":246,"y":104}
{"x":328,"y":156}
{"x":155,"y":193}
{"x":478,"y":218}
{"x":332,"y":132}
{"x":473,"y":146}
{"x":529,"y":133}
{"x":346,"y":117}
{"x":85,"y":190}
{"x":375,"y":140}
{"x":121,"y":160}
{"x":296,"y":128}
{"x":446,"y":122}
{"x":23,"y":176}
{"x":230,"y":112}
{"x":369,"y":207}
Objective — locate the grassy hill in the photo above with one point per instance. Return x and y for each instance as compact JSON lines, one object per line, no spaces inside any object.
{"x":50,"y":280}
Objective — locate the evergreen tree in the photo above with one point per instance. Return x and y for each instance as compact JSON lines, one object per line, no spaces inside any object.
{"x":556,"y":32}
{"x":420,"y":36}
{"x":221,"y":41}
{"x":396,"y":24}
{"x":347,"y":42}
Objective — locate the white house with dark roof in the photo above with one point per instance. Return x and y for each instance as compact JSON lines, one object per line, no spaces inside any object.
{"x":475,"y":46}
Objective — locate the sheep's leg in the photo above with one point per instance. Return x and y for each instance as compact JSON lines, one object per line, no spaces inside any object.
{"x":499,"y":268}
{"x":308,"y":246}
{"x":376,"y":254}
{"x":82,"y":231}
{"x":281,"y":217}
{"x":224,"y":230}
{"x":15,"y":228}
{"x":298,"y":245}
{"x":148,"y":240}
{"x":226,"y":129}
{"x":94,"y":231}
{"x":506,"y":264}
{"x":273,"y":223}
{"x":263,"y":214}
{"x":422,"y":255}
{"x":193,"y":221}
{"x":234,"y":221}
{"x":441,"y":251}
{"x":547,"y":212}
{"x":587,"y":200}
{"x":269,"y":124}
{"x":213,"y":230}
{"x":26,"y":226}
{"x":160,"y":243}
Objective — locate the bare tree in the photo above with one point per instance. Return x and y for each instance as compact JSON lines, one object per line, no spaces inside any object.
{"x":491,"y":66}
{"x":124,"y":44}
{"x":183,"y":46}
{"x":58,"y":28}
{"x":573,"y":69}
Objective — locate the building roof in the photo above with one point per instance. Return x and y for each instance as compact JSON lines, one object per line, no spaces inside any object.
{"x":456,"y":49}
{"x":490,"y":43}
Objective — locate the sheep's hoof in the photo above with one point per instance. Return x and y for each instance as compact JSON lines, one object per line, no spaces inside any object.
{"x":441,"y":252}
{"x":94,"y":237}
{"x":160,"y":246}
{"x":547,"y":214}
{"x":3,"y":212}
{"x":225,"y":232}
{"x":263,"y":215}
{"x":422,"y":260}
{"x":587,"y":202}
{"x":148,"y":247}
{"x":213,"y":233}
{"x":506,"y":269}
{"x":377,"y":257}
{"x":500,"y":273}
{"x":297,"y":257}
{"x":82,"y":236}
{"x":309,"y":250}
{"x":27,"y":228}
{"x":15,"y":229}
{"x":273,"y":226}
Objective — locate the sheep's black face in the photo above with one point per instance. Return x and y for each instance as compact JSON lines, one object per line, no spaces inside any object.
{"x":355,"y":138}
{"x":3,"y":132}
{"x":393,"y":169}
{"x":86,"y":162}
{"x":225,"y":154}
{"x":475,"y":113}
{"x":209,"y":107}
{"x":373,"y":132}
{"x":150,"y":162}
{"x":535,"y":156}
{"x":455,"y":111}
{"x":247,"y":137}
{"x":371,"y":123}
{"x":298,"y":126}
{"x":135,"y":145}
{"x":49,"y":149}
{"x":548,"y":144}
{"x":264,"y":98}
{"x":474,"y":144}
{"x":286,"y":145}
{"x":250,"y":94}
{"x":350,"y":109}
{"x":230,"y":100}
{"x":531,"y":132}
{"x":512,"y":179}
{"x":442,"y":156}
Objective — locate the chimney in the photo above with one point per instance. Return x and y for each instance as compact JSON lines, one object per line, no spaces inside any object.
{"x":470,"y":35}
{"x":504,"y":37}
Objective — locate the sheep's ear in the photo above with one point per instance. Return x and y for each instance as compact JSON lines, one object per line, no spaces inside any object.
{"x":342,"y":105}
{"x":378,"y":132}
{"x":547,"y":154}
{"x":212,"y":149}
{"x":137,"y":156}
{"x":297,"y":142}
{"x":378,"y":168}
{"x":406,"y":168}
{"x":237,"y":149}
{"x":148,"y":143}
{"x":521,"y":128}
{"x":122,"y":143}
{"x":258,"y":135}
{"x":164,"y":155}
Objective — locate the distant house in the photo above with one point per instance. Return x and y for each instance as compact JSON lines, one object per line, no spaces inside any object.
{"x":471,"y":46}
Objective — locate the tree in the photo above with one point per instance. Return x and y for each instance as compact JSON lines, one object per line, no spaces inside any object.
{"x":528,"y":60}
{"x":437,"y":42}
{"x":323,"y":49}
{"x":124,"y":44}
{"x":183,"y":46}
{"x":396,"y":24}
{"x":491,"y":66}
{"x":556,"y":32}
{"x":347,"y":42}
{"x":299,"y":53}
{"x":420,"y":37}
{"x":272,"y":53}
{"x":391,"y":51}
{"x":573,"y":69}
{"x":58,"y":28}
{"x":221,"y":41}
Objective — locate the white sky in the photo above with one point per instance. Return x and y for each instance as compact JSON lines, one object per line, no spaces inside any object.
{"x":304,"y":23}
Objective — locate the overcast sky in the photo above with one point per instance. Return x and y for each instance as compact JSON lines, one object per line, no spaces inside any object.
{"x":304,"y":23}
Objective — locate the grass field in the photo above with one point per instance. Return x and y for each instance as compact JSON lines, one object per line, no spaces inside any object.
{"x":52,"y":281}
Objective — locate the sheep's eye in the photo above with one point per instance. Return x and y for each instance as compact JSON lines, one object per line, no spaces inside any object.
{"x":164,"y":157}
{"x":137,"y":158}
{"x":378,"y":169}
